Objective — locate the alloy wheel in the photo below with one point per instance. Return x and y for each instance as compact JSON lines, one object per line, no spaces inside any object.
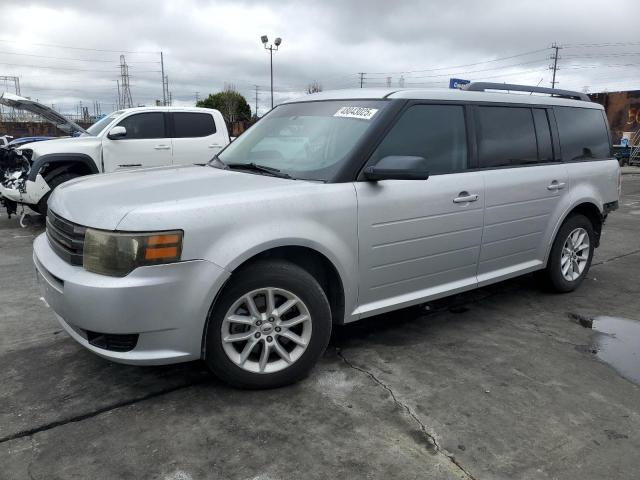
{"x":575,"y":254}
{"x":266,"y":330}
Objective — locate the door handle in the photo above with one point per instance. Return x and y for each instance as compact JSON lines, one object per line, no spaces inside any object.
{"x":466,"y":198}
{"x":162,"y":147}
{"x":214,"y":145}
{"x":556,"y":186}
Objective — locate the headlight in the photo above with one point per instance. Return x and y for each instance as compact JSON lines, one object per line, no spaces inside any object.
{"x":117,"y":254}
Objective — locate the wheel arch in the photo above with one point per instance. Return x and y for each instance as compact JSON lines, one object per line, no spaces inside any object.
{"x":590,"y":209}
{"x":312,"y":260}
{"x":53,"y":164}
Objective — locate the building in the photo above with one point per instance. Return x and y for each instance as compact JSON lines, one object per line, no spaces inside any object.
{"x":623,"y":112}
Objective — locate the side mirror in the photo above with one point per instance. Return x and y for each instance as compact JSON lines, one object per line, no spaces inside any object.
{"x":396,"y":167}
{"x":117,"y":132}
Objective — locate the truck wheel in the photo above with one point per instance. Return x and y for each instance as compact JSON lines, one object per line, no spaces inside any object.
{"x":269,"y":327}
{"x":41,"y":208}
{"x":571,"y":254}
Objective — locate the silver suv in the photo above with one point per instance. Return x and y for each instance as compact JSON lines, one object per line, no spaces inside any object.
{"x":331,"y":209}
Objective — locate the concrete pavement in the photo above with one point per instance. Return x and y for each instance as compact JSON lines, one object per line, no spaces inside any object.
{"x":500,"y":383}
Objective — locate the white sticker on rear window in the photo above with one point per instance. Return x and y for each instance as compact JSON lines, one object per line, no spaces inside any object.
{"x":363,"y":113}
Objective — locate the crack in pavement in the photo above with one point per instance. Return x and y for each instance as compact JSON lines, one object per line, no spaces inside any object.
{"x":433,"y":444}
{"x":125,"y":403}
{"x":607,"y":260}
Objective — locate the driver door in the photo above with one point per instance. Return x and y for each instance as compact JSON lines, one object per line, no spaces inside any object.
{"x":420,"y":239}
{"x":146,"y":143}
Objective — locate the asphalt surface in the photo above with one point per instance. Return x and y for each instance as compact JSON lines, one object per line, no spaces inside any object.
{"x":505,"y":382}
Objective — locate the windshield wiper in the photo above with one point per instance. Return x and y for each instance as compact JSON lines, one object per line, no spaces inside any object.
{"x":259,"y":168}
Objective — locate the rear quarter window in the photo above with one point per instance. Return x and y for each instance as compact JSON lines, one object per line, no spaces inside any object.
{"x":583,"y":134}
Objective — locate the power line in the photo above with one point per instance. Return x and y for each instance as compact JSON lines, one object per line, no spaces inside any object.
{"x":598,"y":45}
{"x":70,"y":68}
{"x":79,"y":48}
{"x":464,"y":65}
{"x":67,"y":58}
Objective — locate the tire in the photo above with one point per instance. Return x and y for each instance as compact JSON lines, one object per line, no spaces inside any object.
{"x":283,"y":282}
{"x":41,"y":208}
{"x":554,"y":276}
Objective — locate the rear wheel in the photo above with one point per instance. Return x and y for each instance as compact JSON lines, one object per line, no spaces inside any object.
{"x":269,"y":327}
{"x":41,"y":208}
{"x":571,"y":254}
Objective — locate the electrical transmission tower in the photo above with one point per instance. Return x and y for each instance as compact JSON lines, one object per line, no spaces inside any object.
{"x":7,"y":80}
{"x":555,"y":57}
{"x":125,"y":91}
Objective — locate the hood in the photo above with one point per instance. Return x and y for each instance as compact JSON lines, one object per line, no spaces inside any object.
{"x":102,"y":201}
{"x":61,"y":144}
{"x":14,"y":101}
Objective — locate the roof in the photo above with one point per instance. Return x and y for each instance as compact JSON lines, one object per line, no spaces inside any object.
{"x":443,"y":94}
{"x":164,"y":108}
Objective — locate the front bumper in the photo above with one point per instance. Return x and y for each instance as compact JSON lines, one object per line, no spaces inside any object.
{"x":165,"y":305}
{"x":30,"y":194}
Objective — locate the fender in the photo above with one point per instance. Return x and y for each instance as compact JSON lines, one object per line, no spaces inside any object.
{"x":591,"y":200}
{"x":82,"y":158}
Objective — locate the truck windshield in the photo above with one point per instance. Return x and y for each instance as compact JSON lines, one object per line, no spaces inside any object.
{"x":307,"y":140}
{"x":101,"y":124}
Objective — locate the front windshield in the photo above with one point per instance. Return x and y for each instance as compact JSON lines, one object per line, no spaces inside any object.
{"x":100,"y":125}
{"x":306,"y":140}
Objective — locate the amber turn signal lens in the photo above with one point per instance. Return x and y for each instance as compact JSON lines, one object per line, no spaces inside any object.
{"x":156,"y":240}
{"x":163,"y":247}
{"x":162,"y":253}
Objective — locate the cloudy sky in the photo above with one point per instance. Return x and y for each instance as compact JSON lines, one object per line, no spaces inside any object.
{"x":68,"y":51}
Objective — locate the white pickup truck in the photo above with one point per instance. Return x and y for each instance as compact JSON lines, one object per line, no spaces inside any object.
{"x":126,"y":139}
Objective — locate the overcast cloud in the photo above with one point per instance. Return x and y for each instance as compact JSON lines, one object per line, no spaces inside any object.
{"x":208,"y":44}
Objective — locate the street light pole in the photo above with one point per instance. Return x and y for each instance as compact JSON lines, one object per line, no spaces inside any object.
{"x":272,"y":47}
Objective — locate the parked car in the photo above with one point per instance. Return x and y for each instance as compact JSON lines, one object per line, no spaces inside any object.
{"x":330,"y":209}
{"x":123,"y":140}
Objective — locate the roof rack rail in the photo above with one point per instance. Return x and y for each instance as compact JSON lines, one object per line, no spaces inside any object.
{"x":484,"y":86}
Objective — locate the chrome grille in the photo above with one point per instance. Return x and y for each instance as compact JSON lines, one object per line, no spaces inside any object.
{"x":66,"y":238}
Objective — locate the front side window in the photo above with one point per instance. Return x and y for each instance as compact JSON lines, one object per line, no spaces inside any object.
{"x":434,"y":132}
{"x":506,"y":137}
{"x":308,"y":140}
{"x":144,"y":125}
{"x":583,"y":134}
{"x":191,"y":124}
{"x":101,"y":124}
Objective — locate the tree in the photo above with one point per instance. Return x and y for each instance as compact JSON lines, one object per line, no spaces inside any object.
{"x":314,"y":87}
{"x":230,"y":102}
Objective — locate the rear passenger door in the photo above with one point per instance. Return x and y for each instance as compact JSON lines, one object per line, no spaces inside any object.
{"x":524,"y":182}
{"x":196,"y":138}
{"x":420,"y":239}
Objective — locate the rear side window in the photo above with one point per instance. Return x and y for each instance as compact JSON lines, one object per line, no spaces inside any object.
{"x":191,"y":124}
{"x":506,"y":136}
{"x":144,"y":125}
{"x":583,"y":133}
{"x":435,"y":132}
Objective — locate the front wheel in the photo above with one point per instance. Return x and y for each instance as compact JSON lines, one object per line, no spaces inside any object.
{"x":571,"y":254}
{"x":269,"y":327}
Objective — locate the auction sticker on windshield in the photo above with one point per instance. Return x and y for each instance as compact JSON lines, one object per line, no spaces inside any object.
{"x":363,"y":113}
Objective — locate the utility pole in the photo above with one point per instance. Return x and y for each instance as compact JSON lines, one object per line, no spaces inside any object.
{"x":256,"y":100}
{"x":164,"y":92}
{"x":118,"y":84}
{"x":361,"y":78}
{"x":197,"y":97}
{"x":555,"y":57}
